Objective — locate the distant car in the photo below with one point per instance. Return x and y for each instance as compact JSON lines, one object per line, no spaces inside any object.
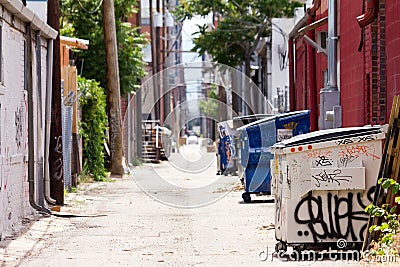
{"x":192,"y":138}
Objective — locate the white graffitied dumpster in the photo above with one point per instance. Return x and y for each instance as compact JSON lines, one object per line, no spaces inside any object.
{"x":322,"y":182}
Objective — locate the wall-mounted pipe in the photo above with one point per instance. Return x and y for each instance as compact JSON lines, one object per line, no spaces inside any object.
{"x":312,"y":85}
{"x":332,"y":46}
{"x":31,"y":130}
{"x":49,"y":82}
{"x":370,"y":15}
{"x":292,"y":36}
{"x":311,"y":10}
{"x":292,"y":91}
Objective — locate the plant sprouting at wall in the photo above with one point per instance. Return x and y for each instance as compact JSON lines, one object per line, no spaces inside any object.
{"x":92,"y":127}
{"x":390,"y":227}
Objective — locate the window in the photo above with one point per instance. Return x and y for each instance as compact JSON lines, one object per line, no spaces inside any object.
{"x":322,"y":39}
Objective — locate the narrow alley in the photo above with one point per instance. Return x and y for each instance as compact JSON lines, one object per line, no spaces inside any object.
{"x":127,"y":227}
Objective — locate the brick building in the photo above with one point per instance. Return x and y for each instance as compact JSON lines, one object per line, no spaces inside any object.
{"x":367,"y":59}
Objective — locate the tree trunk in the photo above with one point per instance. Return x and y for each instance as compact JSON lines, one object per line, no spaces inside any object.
{"x":222,"y":111}
{"x":113,"y":88}
{"x":55,"y":147}
{"x":236,"y":97}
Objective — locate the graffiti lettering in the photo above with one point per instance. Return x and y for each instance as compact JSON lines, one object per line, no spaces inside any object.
{"x":345,"y":160}
{"x":58,"y":146}
{"x":57,"y":164}
{"x":317,"y":154}
{"x":330,"y":177}
{"x":365,"y":138}
{"x":323,"y":161}
{"x":18,"y":127}
{"x":358,"y":150}
{"x":344,"y":141}
{"x":333,"y":218}
{"x":357,"y":139}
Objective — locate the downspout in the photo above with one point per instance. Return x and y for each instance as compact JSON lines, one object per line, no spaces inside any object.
{"x":39,"y":122}
{"x":330,"y":115}
{"x":311,"y":60}
{"x":49,"y":82}
{"x":311,"y":10}
{"x":31,"y":137}
{"x":292,"y":91}
{"x":332,"y":46}
{"x":292,"y":36}
{"x":371,"y":14}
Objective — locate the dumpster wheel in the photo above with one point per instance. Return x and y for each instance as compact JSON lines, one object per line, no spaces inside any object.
{"x":246,"y":197}
{"x":280,"y":246}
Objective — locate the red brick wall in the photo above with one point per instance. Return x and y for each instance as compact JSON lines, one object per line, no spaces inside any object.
{"x":392,"y":51}
{"x":368,"y":79}
{"x":303,"y":69}
{"x":351,"y":64}
{"x":300,"y":74}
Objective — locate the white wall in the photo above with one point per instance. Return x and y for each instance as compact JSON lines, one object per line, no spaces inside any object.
{"x":280,"y":62}
{"x":14,"y":189}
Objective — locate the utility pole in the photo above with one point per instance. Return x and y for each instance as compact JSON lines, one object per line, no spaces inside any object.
{"x":113,"y":88}
{"x":55,"y":149}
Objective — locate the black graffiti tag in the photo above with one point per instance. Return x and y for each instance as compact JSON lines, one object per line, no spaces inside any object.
{"x":330,"y":177}
{"x":323,"y":161}
{"x":344,"y":141}
{"x":346,"y":159}
{"x":336,"y":219}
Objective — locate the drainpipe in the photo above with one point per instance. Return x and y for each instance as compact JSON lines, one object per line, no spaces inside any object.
{"x":369,"y":16}
{"x":39,"y":122}
{"x":31,"y":137}
{"x":292,"y":91}
{"x":311,"y":10}
{"x":292,"y":36}
{"x":311,"y":60}
{"x":49,"y":82}
{"x":330,"y":109}
{"x":312,"y":84}
{"x":332,"y":46}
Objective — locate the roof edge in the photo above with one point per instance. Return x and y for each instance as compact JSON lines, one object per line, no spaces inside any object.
{"x":28,"y":16}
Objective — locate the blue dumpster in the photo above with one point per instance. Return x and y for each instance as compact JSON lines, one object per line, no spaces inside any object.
{"x":257,"y":138}
{"x":229,"y":139}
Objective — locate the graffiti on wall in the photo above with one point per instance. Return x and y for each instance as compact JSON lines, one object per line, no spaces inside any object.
{"x":330,"y":176}
{"x":356,"y":151}
{"x":19,"y":113}
{"x":333,"y":216}
{"x":357,"y":139}
{"x":57,"y":165}
{"x":317,"y":154}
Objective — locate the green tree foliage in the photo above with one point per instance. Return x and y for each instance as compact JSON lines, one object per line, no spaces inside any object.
{"x":92,"y":127}
{"x":209,"y":105}
{"x":241,"y":26}
{"x":83,"y":19}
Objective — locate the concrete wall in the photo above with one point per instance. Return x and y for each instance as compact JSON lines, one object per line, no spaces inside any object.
{"x":280,"y":65}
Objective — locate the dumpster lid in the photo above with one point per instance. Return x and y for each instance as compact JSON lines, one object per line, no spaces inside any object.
{"x":328,"y":135}
{"x":272,"y":117}
{"x":240,"y":121}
